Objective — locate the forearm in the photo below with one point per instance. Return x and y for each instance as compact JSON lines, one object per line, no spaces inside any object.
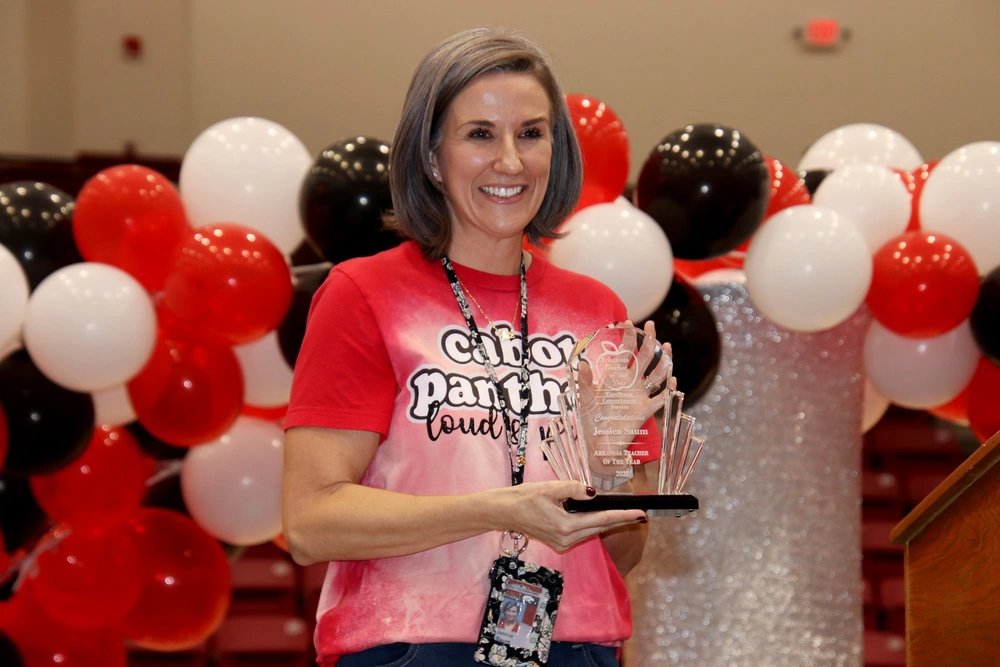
{"x":355,"y":522}
{"x":329,"y":515}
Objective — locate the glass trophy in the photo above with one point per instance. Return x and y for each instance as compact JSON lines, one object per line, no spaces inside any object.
{"x":603,"y":435}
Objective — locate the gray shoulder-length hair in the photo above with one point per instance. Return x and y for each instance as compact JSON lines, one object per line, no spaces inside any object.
{"x":420,"y":211}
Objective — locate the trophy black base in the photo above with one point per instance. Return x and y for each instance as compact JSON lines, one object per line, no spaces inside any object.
{"x":655,"y":504}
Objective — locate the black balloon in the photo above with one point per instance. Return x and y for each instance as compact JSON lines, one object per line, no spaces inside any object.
{"x":9,"y":655}
{"x":293,"y":326}
{"x":343,"y":198}
{"x":813,"y":178}
{"x":985,"y":317}
{"x":36,"y":225}
{"x":22,"y":520}
{"x":166,"y":493}
{"x":305,"y":254}
{"x":152,"y":446}
{"x":707,"y":186}
{"x":47,"y":425}
{"x":685,"y":321}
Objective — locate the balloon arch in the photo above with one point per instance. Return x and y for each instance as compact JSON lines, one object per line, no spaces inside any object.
{"x":148,"y":330}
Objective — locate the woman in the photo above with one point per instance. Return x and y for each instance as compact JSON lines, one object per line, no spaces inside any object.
{"x":411,"y":403}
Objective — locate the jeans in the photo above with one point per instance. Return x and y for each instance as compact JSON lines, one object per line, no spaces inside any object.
{"x":562,"y":654}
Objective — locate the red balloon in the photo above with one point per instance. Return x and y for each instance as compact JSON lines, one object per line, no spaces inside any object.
{"x":692,"y":268}
{"x":230,"y":281}
{"x":102,"y":486}
{"x":923,"y":284}
{"x":45,"y":642}
{"x":90,"y":578}
{"x":186,"y":583}
{"x":956,"y":410}
{"x":189,"y":392}
{"x":787,"y":187}
{"x":604,"y":147}
{"x":984,"y":400}
{"x":131,"y":217}
{"x":268,"y":414}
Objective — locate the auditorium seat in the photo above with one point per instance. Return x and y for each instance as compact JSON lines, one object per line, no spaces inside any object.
{"x":884,"y":649}
{"x":892,"y":599}
{"x":881,"y":495}
{"x":194,"y":657}
{"x":310,"y":583}
{"x":918,"y":483}
{"x":264,"y":585}
{"x":276,"y":640}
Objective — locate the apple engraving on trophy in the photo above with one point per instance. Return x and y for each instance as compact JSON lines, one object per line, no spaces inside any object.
{"x":615,"y":368}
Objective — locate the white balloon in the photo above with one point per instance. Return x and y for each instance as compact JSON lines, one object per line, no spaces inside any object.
{"x":248,"y":171}
{"x":920,"y":372}
{"x":874,"y":405}
{"x":861,"y":143}
{"x":808,"y":268}
{"x":267,"y":379}
{"x":90,"y":326}
{"x":112,"y":406}
{"x":622,"y":247}
{"x":871,"y":196}
{"x":961,"y":199}
{"x":232,"y":485}
{"x":14,"y":293}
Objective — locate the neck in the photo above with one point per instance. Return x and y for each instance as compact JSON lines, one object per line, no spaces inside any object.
{"x":501,"y":258}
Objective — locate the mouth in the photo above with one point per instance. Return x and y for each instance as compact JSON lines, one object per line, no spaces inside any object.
{"x":502,"y":192}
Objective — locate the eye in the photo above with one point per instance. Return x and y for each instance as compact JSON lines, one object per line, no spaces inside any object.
{"x":479,"y":133}
{"x":533,"y":133}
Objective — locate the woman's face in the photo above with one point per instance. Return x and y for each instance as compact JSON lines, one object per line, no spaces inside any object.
{"x":494,"y":157}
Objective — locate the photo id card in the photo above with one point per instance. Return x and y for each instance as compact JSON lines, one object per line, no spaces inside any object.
{"x":520,"y":614}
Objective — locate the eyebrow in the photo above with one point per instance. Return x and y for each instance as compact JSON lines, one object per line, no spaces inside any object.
{"x":489,"y":123}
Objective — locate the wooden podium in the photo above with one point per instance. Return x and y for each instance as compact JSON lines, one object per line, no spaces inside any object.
{"x":952,"y":561}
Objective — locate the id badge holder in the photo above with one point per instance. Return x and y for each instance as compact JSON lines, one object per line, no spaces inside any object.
{"x":520,"y":610}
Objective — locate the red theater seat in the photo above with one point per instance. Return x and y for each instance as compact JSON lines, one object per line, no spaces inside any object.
{"x":892,"y":600}
{"x":264,"y":585}
{"x":270,"y":639}
{"x":884,"y":649}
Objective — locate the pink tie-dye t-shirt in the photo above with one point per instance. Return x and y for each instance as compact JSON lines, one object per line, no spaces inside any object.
{"x":387,"y":350}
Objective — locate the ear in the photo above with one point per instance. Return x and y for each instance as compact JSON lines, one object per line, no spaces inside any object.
{"x":432,"y":158}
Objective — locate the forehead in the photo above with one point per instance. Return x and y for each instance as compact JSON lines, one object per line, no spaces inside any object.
{"x":500,"y":95}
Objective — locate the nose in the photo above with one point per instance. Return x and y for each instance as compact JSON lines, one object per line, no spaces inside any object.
{"x":508,"y":160}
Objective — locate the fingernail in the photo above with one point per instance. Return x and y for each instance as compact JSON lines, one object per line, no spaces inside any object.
{"x":591,"y":491}
{"x":643,"y":519}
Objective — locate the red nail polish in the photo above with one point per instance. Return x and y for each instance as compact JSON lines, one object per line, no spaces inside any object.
{"x":591,"y":491}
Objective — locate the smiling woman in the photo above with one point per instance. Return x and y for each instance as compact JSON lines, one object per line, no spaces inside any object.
{"x":413,"y":460}
{"x":493,"y":164}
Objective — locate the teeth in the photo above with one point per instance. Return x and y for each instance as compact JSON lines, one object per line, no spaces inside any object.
{"x":503,"y":192}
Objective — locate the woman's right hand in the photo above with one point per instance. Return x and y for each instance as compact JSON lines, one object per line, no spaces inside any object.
{"x":536,"y":510}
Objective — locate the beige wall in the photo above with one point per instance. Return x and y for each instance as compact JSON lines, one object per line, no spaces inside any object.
{"x":13,"y":76}
{"x":328,"y":69}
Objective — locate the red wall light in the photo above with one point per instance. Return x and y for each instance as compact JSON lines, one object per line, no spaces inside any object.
{"x":132,"y":46}
{"x":822,"y":34}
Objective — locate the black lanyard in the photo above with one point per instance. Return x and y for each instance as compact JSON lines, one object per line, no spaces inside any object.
{"x":515,"y":443}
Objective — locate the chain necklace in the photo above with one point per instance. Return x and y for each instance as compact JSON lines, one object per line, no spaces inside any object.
{"x":503,"y":333}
